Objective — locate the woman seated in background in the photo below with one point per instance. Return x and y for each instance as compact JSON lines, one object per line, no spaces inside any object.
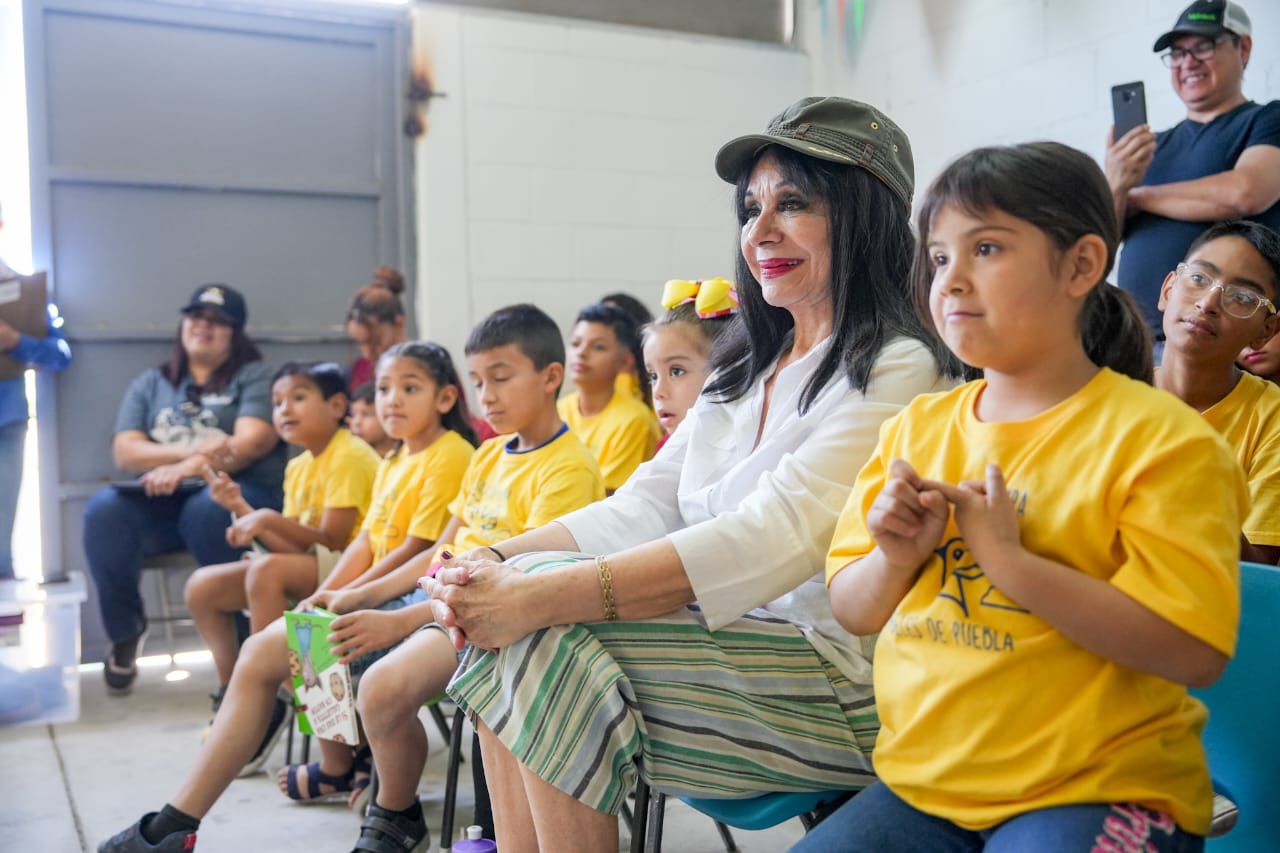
{"x":207,"y":407}
{"x":694,"y":629}
{"x":375,"y":323}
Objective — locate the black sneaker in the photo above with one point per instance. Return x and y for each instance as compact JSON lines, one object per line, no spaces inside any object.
{"x":392,"y":831}
{"x":121,"y":665}
{"x":132,"y":841}
{"x":281,"y":715}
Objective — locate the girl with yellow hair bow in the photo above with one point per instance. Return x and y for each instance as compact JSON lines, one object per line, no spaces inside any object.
{"x":677,"y":346}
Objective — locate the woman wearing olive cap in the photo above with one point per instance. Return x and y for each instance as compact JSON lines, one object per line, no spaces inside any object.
{"x":690,"y":638}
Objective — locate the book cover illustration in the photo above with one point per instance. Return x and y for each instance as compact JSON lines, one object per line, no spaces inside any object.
{"x":321,"y":685}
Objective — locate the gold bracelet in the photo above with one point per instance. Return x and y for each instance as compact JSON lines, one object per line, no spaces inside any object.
{"x":606,"y":588}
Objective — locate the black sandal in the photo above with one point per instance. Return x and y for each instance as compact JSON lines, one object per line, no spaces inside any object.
{"x":340,"y":787}
{"x":386,"y":831}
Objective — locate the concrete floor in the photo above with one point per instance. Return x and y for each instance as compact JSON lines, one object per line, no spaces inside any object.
{"x":69,"y":786}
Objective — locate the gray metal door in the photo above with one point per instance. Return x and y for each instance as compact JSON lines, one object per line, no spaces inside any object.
{"x":174,"y":143}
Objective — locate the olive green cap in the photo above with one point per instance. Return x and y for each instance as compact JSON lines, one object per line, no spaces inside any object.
{"x":835,"y":129}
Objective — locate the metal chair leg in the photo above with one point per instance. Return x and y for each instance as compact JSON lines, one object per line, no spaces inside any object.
{"x":640,"y":820}
{"x":441,"y":723}
{"x":658,"y":813}
{"x":451,"y":780}
{"x":166,"y":609}
{"x":726,"y":836}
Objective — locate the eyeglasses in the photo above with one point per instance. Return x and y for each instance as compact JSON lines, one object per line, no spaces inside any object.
{"x":1201,"y":50}
{"x":1240,"y":302}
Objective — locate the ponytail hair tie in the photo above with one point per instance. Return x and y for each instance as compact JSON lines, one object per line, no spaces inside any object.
{"x":712,"y":297}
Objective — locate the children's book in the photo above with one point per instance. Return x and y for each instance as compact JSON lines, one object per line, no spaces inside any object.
{"x":321,"y":685}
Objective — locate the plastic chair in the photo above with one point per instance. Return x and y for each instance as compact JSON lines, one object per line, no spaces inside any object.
{"x":1242,"y":737}
{"x":752,"y":813}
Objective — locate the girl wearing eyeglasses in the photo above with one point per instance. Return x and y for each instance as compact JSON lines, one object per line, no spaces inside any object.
{"x":1219,"y":301}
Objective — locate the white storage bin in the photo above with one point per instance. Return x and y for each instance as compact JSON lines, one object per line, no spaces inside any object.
{"x":40,"y":651}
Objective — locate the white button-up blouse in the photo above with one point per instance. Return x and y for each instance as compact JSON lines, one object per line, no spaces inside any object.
{"x":752,"y":522}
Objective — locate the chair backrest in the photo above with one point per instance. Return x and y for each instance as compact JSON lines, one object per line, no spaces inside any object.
{"x":1243,"y":733}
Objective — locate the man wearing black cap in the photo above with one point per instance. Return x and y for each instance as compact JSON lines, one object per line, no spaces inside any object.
{"x":1221,"y":162}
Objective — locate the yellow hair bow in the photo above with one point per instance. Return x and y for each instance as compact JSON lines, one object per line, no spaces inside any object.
{"x":712,"y":297}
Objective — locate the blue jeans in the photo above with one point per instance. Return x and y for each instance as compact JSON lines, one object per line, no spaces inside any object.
{"x":120,"y":528}
{"x":12,"y":439}
{"x":877,"y":820}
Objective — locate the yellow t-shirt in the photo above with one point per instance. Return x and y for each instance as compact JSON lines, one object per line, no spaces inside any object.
{"x":623,"y":435}
{"x":1249,"y":419}
{"x":627,"y":384}
{"x":505,"y":492}
{"x":341,"y":477}
{"x":412,"y":493}
{"x":986,"y":710}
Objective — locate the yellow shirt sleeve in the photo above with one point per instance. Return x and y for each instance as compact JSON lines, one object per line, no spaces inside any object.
{"x":1249,"y":419}
{"x":440,"y":480}
{"x":349,"y":481}
{"x":294,"y":476}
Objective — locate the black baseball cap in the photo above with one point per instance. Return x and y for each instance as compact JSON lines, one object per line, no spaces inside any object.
{"x":835,"y":129}
{"x":1208,"y":18}
{"x":222,"y":299}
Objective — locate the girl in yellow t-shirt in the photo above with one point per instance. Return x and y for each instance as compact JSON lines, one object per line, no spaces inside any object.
{"x":420,"y":403}
{"x":326,"y":492}
{"x":677,"y":346}
{"x":1029,"y":549}
{"x":620,"y":430}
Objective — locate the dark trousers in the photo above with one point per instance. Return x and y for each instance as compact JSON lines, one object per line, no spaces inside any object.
{"x":120,"y":528}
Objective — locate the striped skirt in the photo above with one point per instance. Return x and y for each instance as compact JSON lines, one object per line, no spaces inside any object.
{"x":745,"y":710}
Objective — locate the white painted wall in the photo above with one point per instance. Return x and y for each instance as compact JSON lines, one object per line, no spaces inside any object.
{"x":570,"y":159}
{"x":957,"y":74}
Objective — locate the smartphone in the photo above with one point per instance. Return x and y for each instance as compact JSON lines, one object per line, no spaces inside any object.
{"x":1128,"y":107}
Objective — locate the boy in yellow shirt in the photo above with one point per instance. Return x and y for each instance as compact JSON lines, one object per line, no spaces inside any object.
{"x":620,"y":430}
{"x":1219,"y":300}
{"x":327,"y":488}
{"x":535,"y":471}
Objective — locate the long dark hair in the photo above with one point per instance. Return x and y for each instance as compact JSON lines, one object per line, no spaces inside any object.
{"x":243,"y":351}
{"x":439,"y":365}
{"x":871,"y":245}
{"x":1062,"y":192}
{"x":627,"y":332}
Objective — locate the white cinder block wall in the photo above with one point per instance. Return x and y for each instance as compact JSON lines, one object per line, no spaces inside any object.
{"x":571,"y":159}
{"x":957,"y":74}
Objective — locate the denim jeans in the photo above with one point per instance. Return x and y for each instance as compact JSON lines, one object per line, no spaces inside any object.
{"x":877,"y":820}
{"x":120,"y":528}
{"x":12,"y":439}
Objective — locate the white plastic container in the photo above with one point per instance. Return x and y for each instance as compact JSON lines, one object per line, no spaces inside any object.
{"x":40,"y":651}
